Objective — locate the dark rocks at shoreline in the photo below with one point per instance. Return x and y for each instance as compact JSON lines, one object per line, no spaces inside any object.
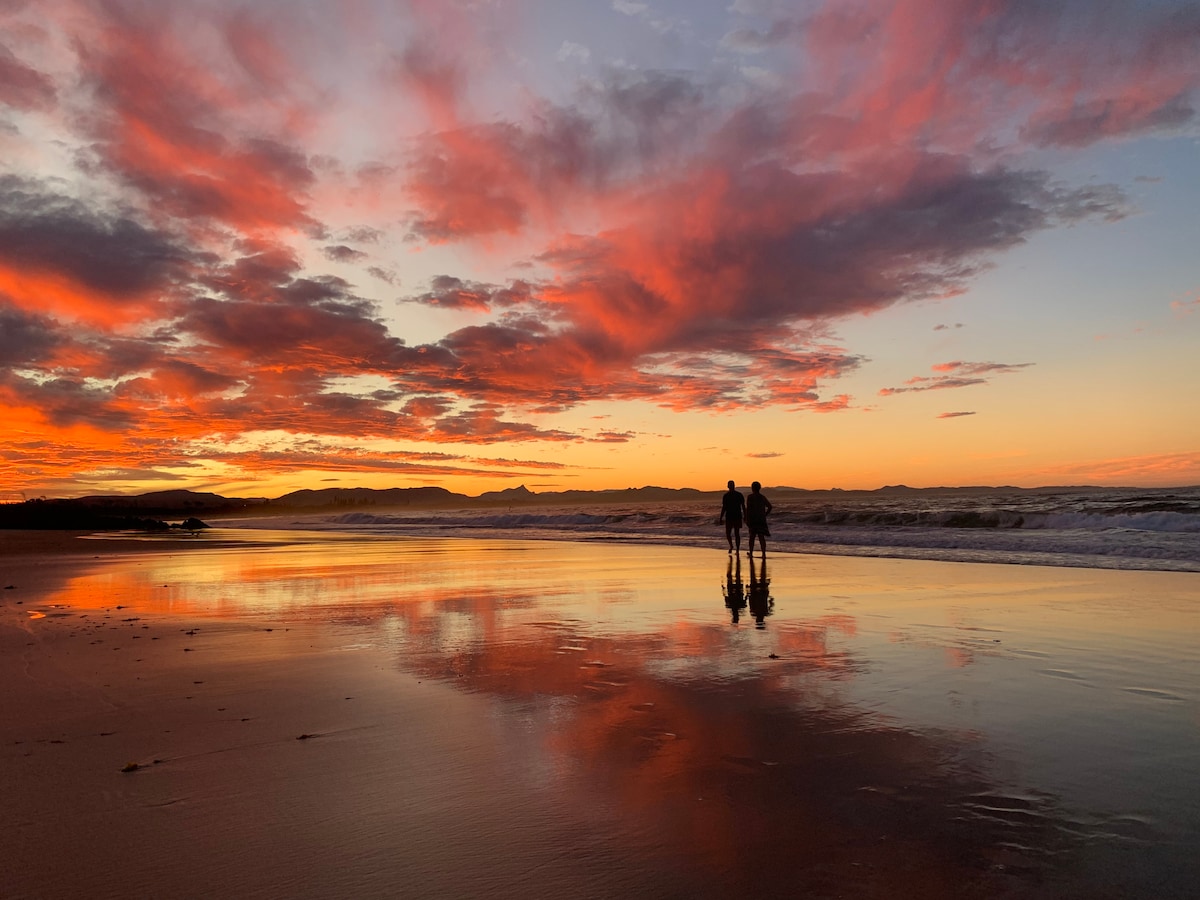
{"x":73,"y":515}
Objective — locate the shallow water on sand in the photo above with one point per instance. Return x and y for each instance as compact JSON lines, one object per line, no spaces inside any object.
{"x":561,"y":719}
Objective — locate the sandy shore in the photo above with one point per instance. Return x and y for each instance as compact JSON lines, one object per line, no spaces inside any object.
{"x":303,"y":716}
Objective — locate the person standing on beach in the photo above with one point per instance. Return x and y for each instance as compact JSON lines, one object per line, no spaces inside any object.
{"x":758,"y":507}
{"x":733,"y":510}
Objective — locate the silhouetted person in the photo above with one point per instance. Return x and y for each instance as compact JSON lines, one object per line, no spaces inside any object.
{"x":757,"y":509}
{"x":761,"y":604}
{"x":735,"y":591}
{"x":733,"y":510}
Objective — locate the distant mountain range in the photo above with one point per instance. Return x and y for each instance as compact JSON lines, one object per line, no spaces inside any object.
{"x":114,"y":511}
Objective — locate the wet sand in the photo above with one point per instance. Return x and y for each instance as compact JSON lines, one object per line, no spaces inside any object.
{"x":270,"y":715}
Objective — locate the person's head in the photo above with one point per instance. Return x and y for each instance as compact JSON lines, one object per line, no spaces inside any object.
{"x":731,"y":484}
{"x":756,"y":487}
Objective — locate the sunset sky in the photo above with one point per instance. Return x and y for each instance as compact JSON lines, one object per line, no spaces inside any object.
{"x":250,"y":246}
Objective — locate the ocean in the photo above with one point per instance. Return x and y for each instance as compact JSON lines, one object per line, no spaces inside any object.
{"x":1126,"y":528}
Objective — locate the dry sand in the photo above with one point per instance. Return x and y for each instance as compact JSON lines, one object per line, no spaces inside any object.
{"x":296,"y":716}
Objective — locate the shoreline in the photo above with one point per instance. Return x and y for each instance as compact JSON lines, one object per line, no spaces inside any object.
{"x":27,"y":550}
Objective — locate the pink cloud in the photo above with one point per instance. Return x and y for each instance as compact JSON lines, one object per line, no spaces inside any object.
{"x":1186,"y":307}
{"x":956,"y":375}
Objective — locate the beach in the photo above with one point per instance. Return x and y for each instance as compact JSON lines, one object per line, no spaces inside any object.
{"x":298,"y":714}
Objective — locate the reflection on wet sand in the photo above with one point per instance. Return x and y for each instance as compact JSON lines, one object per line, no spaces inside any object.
{"x":756,"y":596}
{"x":760,"y":600}
{"x":733,"y":590}
{"x":748,"y":772}
{"x":781,"y":761}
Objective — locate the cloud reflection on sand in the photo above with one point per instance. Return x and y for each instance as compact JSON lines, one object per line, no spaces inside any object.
{"x":826,"y":769}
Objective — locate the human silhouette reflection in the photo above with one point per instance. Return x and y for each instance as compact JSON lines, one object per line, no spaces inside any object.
{"x":734,"y":590}
{"x":761,"y":602}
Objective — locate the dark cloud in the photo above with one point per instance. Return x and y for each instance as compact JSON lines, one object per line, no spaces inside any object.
{"x":954,"y":415}
{"x":23,"y":87}
{"x":484,"y":425}
{"x":260,"y":270}
{"x":298,"y":403}
{"x":69,"y":401}
{"x":1140,"y":78}
{"x":497,"y":177}
{"x":1103,"y":201}
{"x":342,"y":254}
{"x":427,"y":407}
{"x":1088,"y":122}
{"x":326,"y":455}
{"x":337,"y":337}
{"x":450,"y":292}
{"x":519,"y":463}
{"x":24,"y":338}
{"x":110,"y":253}
{"x":178,"y":379}
{"x":364,"y":235}
{"x":436,"y":76}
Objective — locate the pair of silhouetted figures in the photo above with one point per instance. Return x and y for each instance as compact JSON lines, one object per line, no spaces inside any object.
{"x":756,"y":594}
{"x":753,"y":510}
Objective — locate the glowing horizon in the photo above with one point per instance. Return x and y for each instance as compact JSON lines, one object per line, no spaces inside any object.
{"x":255,"y":247}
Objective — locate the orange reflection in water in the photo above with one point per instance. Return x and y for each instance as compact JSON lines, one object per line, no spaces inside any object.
{"x":717,"y":755}
{"x":806,"y":753}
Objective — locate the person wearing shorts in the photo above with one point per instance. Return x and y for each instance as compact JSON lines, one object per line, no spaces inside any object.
{"x":758,"y":507}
